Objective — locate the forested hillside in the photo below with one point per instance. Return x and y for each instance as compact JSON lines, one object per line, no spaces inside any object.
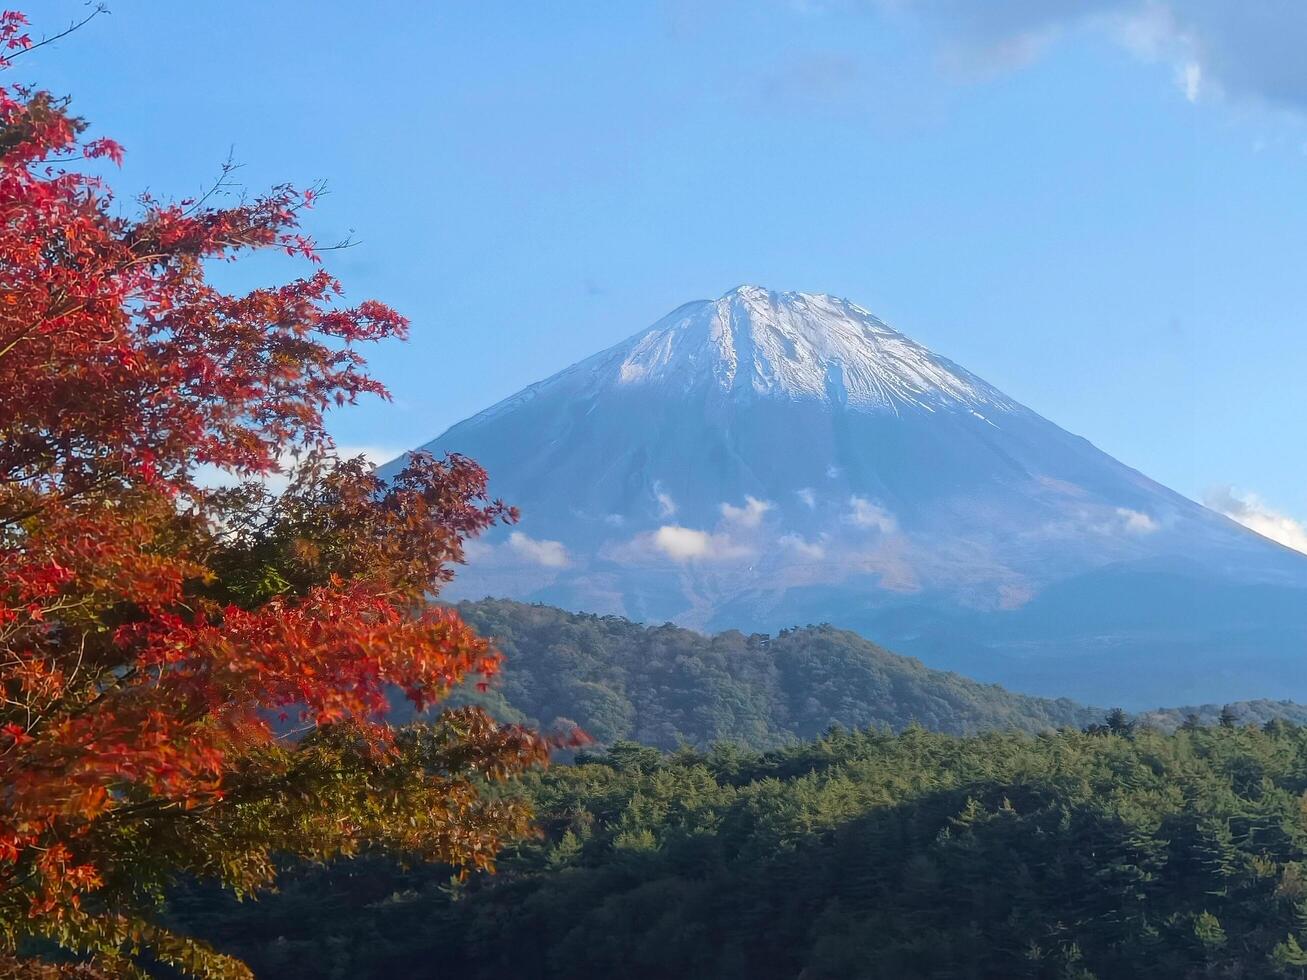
{"x":665,"y":686}
{"x":1081,"y":855}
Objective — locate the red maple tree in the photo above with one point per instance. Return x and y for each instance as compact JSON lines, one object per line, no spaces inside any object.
{"x":194,"y":680}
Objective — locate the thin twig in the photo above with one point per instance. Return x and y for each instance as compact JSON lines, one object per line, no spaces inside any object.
{"x":99,"y":9}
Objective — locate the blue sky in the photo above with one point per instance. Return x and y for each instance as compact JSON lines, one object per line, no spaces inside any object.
{"x":1099,"y":206}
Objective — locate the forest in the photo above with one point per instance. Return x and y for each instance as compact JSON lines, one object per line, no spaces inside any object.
{"x":1121,"y":851}
{"x":666,"y":686}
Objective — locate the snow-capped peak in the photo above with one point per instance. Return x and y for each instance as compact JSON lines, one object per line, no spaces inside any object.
{"x":798,"y":346}
{"x":755,"y":343}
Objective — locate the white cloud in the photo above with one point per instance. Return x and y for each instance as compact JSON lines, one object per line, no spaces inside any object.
{"x":750,"y":515}
{"x":865,"y":513}
{"x":808,"y":497}
{"x":682,"y":543}
{"x":551,"y":554}
{"x":616,"y":520}
{"x":812,"y":550}
{"x":687,"y":544}
{"x":1250,"y":511}
{"x":832,"y":472}
{"x":666,"y":505}
{"x":1136,"y":521}
{"x":216,"y":478}
{"x":1244,"y":49}
{"x":475,"y":551}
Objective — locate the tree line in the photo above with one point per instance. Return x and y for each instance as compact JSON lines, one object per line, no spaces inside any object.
{"x":1071,"y":854}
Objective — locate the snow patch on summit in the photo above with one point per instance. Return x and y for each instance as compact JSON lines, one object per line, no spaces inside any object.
{"x":798,"y":346}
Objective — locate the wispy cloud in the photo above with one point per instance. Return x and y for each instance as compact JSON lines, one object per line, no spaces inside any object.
{"x":1250,"y":511}
{"x":802,"y":547}
{"x":1191,"y":80}
{"x":867,"y":514}
{"x":807,"y":496}
{"x":1241,"y":49}
{"x":1136,"y":521}
{"x":666,"y":505}
{"x":750,"y":515}
{"x":550,"y":554}
{"x":477,"y":551}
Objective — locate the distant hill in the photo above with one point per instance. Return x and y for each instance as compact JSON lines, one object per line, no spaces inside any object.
{"x":666,"y":686}
{"x":1257,"y":712}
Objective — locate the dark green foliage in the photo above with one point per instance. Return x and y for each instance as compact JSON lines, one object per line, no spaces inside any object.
{"x":863,"y":854}
{"x":1109,"y":852}
{"x":667,"y":686}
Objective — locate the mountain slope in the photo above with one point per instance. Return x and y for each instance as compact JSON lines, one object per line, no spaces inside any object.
{"x":770,"y":458}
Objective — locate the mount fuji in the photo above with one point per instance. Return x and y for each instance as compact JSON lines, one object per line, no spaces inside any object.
{"x":770,"y":459}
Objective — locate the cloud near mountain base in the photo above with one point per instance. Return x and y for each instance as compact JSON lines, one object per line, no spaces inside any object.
{"x":750,"y":515}
{"x":550,"y":554}
{"x":1249,"y":510}
{"x":687,"y":544}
